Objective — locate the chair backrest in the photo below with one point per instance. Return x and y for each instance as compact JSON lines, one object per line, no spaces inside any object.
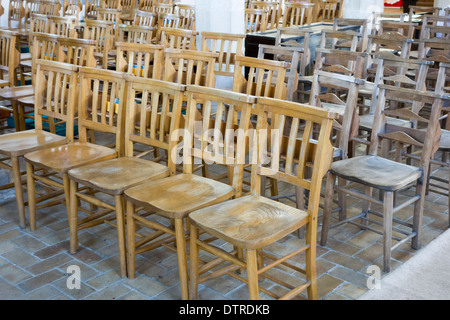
{"x":145,"y":5}
{"x":227,"y":45}
{"x":72,"y":8}
{"x":414,"y":10}
{"x":162,"y":8}
{"x":176,"y":38}
{"x":136,"y":34}
{"x":153,"y":114}
{"x":166,"y":20}
{"x":56,"y":94}
{"x":128,"y":5}
{"x":111,"y":4}
{"x":145,"y":18}
{"x":187,"y":14}
{"x":297,"y":14}
{"x":110,"y":15}
{"x":435,"y":27}
{"x":101,"y":33}
{"x":393,"y":42}
{"x":16,"y":14}
{"x":255,"y":20}
{"x":9,"y":55}
{"x":291,"y":55}
{"x":45,"y":47}
{"x":273,"y":10}
{"x":292,"y":155}
{"x":91,"y":9}
{"x":50,"y":7}
{"x":303,"y":42}
{"x":190,"y":67}
{"x":392,"y":16}
{"x":220,"y":135}
{"x":363,"y":31}
{"x":425,"y":140}
{"x":38,"y":23}
{"x":346,"y":40}
{"x":141,"y":60}
{"x":331,"y":9}
{"x":404,"y":29}
{"x":101,"y":105}
{"x":260,"y":79}
{"x":31,"y":7}
{"x":79,"y":52}
{"x":63,"y":26}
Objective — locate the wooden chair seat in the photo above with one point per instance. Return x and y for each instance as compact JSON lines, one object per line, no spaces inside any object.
{"x":366,"y":122}
{"x":16,"y":92}
{"x":26,"y":100}
{"x":444,"y":143}
{"x":27,"y":63}
{"x":176,"y":196}
{"x":376,"y":172}
{"x":4,"y":83}
{"x":116,"y":175}
{"x":249,"y":222}
{"x":335,"y":108}
{"x":19,"y":143}
{"x":62,"y":159}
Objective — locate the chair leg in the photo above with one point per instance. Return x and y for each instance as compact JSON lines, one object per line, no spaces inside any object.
{"x":66,"y":184}
{"x":73,"y":217}
{"x":15,"y":163}
{"x":252,"y":274}
{"x":194,"y":261}
{"x":182,"y":258}
{"x":417,"y":216}
{"x":327,"y":208}
{"x":119,"y":200}
{"x":342,"y":200}
{"x":388,"y":206}
{"x":31,"y":196}
{"x":131,"y":250}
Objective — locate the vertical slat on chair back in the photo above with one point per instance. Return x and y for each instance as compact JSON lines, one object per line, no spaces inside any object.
{"x":176,"y":38}
{"x":265,"y":78}
{"x":9,"y":55}
{"x":190,"y":67}
{"x":101,"y":103}
{"x":220,"y":135}
{"x":101,"y":33}
{"x":63,"y":26}
{"x":56,"y":93}
{"x":297,"y":150}
{"x":77,"y":51}
{"x":228,"y":46}
{"x":187,"y":14}
{"x":142,"y":60}
{"x":136,"y":34}
{"x":153,"y":113}
{"x":91,"y":8}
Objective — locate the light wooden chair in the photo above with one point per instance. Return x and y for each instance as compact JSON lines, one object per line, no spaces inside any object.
{"x":190,"y":67}
{"x":113,"y":16}
{"x":145,"y":18}
{"x":393,"y":16}
{"x":362,"y":32}
{"x":273,"y":10}
{"x":187,"y":14}
{"x":176,"y":38}
{"x":255,"y":20}
{"x":373,"y":171}
{"x":136,"y":34}
{"x":101,"y":32}
{"x":141,"y":60}
{"x":394,"y":28}
{"x":15,"y":145}
{"x":111,"y":4}
{"x":72,"y":8}
{"x":100,"y":109}
{"x":63,"y":26}
{"x":146,"y":126}
{"x":31,"y":7}
{"x":189,"y":192}
{"x":163,"y":8}
{"x":50,"y":7}
{"x":297,"y":14}
{"x":146,"y":5}
{"x":91,"y":8}
{"x":128,"y":6}
{"x":166,"y":20}
{"x":79,"y":52}
{"x":253,"y":222}
{"x":330,"y":9}
{"x":16,"y":14}
{"x":228,"y":46}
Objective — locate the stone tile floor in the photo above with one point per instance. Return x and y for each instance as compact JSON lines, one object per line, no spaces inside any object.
{"x":35,"y":265}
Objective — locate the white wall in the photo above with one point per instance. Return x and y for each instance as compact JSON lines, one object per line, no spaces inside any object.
{"x":4,"y":18}
{"x":441,"y":3}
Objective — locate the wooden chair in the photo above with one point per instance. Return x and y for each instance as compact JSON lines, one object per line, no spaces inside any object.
{"x":159,"y":8}
{"x":145,"y":18}
{"x":15,"y":145}
{"x":389,"y":176}
{"x":72,"y":8}
{"x":297,"y":14}
{"x":91,"y":12}
{"x":100,"y":92}
{"x":394,"y":28}
{"x":128,"y":6}
{"x":50,"y":7}
{"x":415,"y":10}
{"x":255,"y":20}
{"x":166,"y":20}
{"x":362,"y":32}
{"x":345,"y":40}
{"x":176,"y":38}
{"x":187,"y":14}
{"x":228,"y":46}
{"x":253,"y":222}
{"x":136,"y":34}
{"x":265,"y":78}
{"x":141,"y":60}
{"x":63,"y":26}
{"x":192,"y":191}
{"x":273,"y":10}
{"x":392,"y":16}
{"x":16,"y":14}
{"x":146,"y":5}
{"x":79,"y":52}
{"x":38,"y":23}
{"x":145,"y":125}
{"x":31,"y":7}
{"x":101,"y":32}
{"x":330,"y":9}
{"x":112,"y":16}
{"x":9,"y":62}
{"x":111,"y":4}
{"x":190,"y":67}
{"x":291,"y":55}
